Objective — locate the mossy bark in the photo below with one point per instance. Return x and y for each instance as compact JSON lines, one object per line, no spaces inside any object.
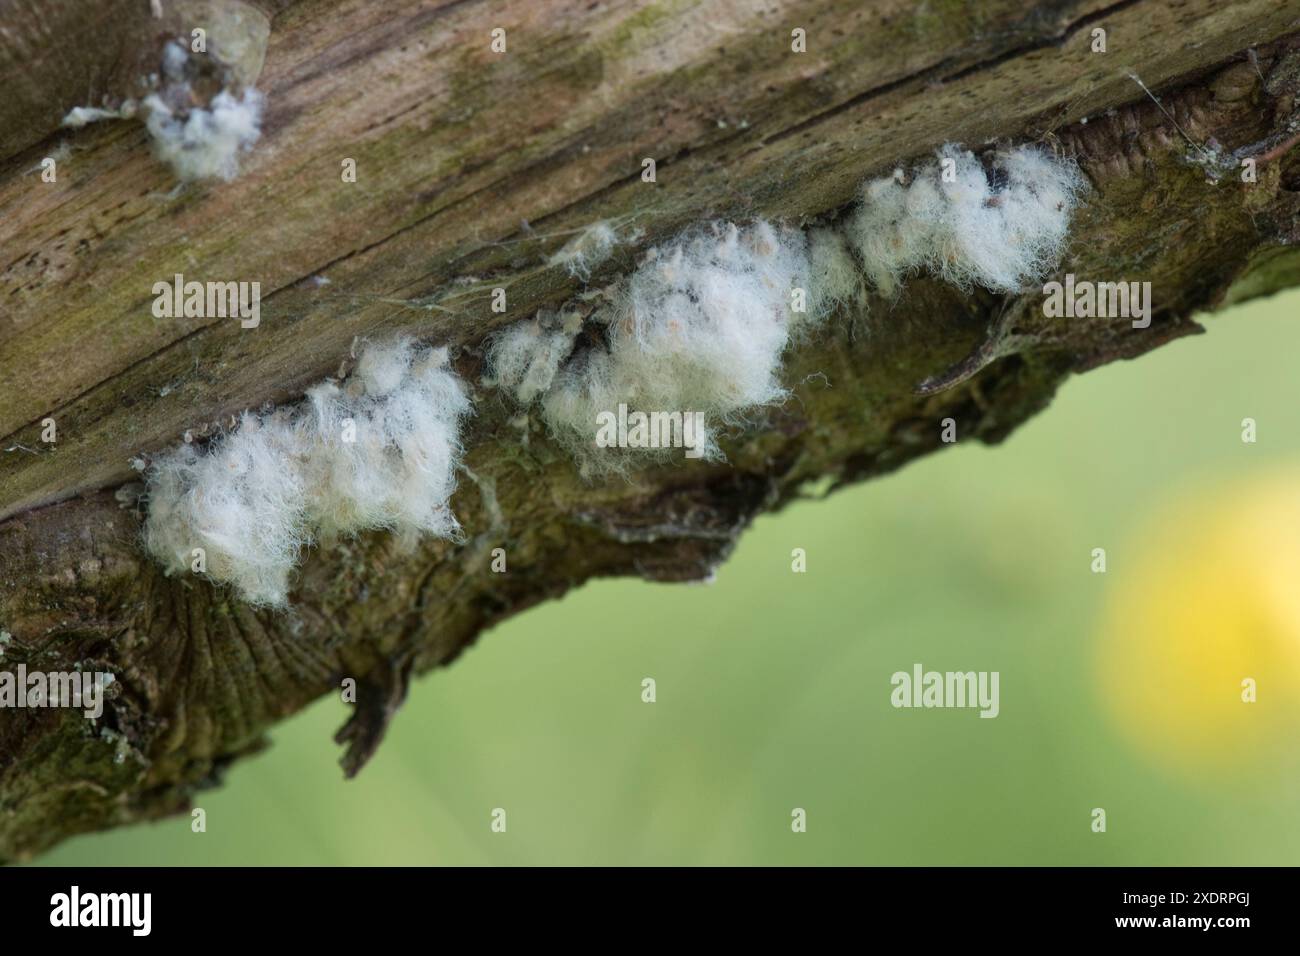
{"x":472,"y":167}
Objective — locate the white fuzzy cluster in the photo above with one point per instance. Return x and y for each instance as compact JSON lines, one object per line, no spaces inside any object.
{"x":205,"y":143}
{"x":376,"y":451}
{"x":834,"y":278}
{"x":524,"y":358}
{"x":197,"y":142}
{"x":967,"y":226}
{"x":699,"y":326}
{"x":702,"y":323}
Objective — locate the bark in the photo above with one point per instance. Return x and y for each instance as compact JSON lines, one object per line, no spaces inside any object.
{"x":473,"y":164}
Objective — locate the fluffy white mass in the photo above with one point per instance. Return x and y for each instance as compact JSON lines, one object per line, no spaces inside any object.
{"x":702,"y":323}
{"x":197,"y":142}
{"x":205,"y":143}
{"x":1001,"y":228}
{"x":378,"y":450}
{"x":699,"y":326}
{"x":524,"y":357}
{"x":833,"y":278}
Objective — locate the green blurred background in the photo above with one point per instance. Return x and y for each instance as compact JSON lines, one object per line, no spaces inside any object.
{"x":773,"y":687}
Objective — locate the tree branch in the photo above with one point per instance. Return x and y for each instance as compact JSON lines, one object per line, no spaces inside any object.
{"x":472,"y":164}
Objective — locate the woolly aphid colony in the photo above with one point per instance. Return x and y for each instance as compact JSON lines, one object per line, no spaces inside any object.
{"x":378,"y":450}
{"x":699,"y":325}
{"x":198,"y":142}
{"x":702,"y":323}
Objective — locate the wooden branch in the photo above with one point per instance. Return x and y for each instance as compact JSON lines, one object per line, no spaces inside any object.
{"x":473,"y":164}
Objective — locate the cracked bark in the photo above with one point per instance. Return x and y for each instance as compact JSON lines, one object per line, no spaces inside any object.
{"x":471,"y":165}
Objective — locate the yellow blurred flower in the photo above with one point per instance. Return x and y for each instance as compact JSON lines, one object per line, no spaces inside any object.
{"x":1201,"y":610}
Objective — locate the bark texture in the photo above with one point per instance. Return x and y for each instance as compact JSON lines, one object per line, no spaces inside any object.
{"x":475,"y":164}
